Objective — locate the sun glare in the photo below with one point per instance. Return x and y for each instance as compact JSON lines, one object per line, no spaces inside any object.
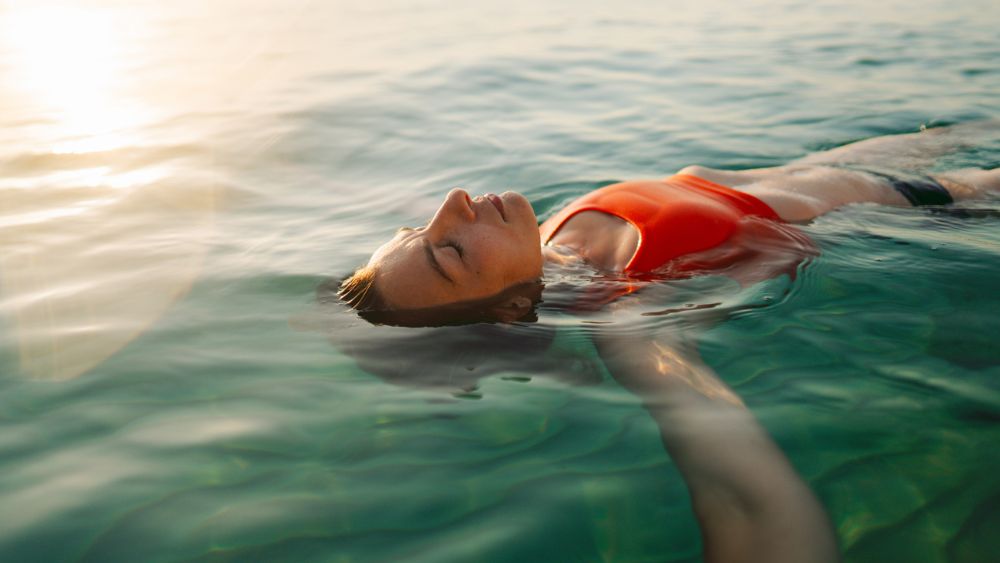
{"x":70,"y":66}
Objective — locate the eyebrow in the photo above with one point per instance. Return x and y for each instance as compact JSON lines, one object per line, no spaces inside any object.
{"x":434,"y":263}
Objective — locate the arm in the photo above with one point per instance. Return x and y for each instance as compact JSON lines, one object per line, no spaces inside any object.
{"x":749,"y":501}
{"x":910,"y":151}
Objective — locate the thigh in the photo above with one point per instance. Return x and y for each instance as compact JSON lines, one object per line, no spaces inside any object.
{"x":969,"y":183}
{"x":803,"y":192}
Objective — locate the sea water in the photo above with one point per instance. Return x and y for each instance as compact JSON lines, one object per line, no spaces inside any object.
{"x":177,"y":178}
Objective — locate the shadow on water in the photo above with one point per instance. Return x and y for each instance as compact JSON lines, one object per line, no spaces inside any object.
{"x":577,"y":304}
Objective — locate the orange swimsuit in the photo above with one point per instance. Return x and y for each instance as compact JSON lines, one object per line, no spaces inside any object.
{"x":678,"y":216}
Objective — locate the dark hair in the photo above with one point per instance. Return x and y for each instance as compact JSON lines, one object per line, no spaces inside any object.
{"x":448,"y":348}
{"x":516,"y":303}
{"x":425,"y":348}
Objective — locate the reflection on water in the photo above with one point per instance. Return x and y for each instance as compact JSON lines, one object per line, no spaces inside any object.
{"x":70,"y":69}
{"x":98,"y":244}
{"x":176,"y":178}
{"x":87,"y":270}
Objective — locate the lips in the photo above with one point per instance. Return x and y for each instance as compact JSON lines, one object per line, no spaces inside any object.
{"x":498,"y":203}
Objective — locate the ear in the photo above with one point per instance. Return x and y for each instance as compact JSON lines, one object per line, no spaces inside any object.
{"x":512,"y":309}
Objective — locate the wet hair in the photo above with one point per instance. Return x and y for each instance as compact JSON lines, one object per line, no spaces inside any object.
{"x":514,"y":304}
{"x":447,"y":348}
{"x":357,"y":290}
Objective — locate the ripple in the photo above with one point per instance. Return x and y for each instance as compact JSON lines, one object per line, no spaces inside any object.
{"x":156,"y":281}
{"x":125,"y":158}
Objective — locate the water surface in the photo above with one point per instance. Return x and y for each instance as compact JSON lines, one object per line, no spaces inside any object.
{"x":176,"y":179}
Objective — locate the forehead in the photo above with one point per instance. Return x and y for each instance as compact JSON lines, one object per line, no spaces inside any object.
{"x":389,"y":249}
{"x":405,"y":277}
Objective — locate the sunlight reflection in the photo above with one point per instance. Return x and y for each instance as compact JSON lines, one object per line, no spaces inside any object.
{"x":70,"y":65}
{"x":85,"y":272}
{"x":101,"y":236}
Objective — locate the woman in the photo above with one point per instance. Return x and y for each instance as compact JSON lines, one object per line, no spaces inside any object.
{"x":482,"y":258}
{"x":475,"y":248}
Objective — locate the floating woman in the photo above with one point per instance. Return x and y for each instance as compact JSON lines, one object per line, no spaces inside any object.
{"x":480,"y":259}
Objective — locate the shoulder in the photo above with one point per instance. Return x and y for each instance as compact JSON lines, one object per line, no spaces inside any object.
{"x":697,"y":170}
{"x":730,"y":178}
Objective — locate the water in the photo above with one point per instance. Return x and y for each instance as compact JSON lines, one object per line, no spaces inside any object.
{"x":176,"y":179}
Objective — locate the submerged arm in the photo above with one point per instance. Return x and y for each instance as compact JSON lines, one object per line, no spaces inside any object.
{"x":749,"y":501}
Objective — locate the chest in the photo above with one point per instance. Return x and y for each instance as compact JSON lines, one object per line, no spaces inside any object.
{"x":603,"y":240}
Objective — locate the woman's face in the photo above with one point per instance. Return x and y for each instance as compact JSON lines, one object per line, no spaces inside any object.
{"x":472,"y":248}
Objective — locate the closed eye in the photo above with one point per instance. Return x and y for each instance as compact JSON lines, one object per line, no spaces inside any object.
{"x":458,"y":249}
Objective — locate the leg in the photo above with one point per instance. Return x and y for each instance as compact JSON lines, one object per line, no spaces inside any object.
{"x":799,"y":193}
{"x":968,"y":183}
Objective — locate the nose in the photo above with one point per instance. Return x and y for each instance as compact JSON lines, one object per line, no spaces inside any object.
{"x":456,"y":210}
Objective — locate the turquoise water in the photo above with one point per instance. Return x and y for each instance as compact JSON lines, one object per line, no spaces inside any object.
{"x":176,"y":179}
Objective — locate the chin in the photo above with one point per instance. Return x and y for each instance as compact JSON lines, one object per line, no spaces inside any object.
{"x":524,"y":206}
